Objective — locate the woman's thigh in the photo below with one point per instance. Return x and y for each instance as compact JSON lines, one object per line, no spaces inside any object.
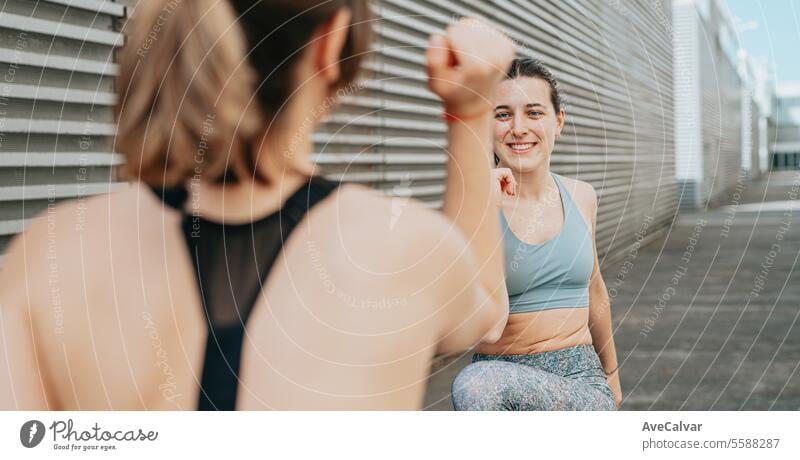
{"x":502,"y":385}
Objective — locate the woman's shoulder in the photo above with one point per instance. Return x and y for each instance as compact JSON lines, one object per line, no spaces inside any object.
{"x":384,"y":220}
{"x":583,"y":195}
{"x":376,"y":246}
{"x":130,"y":207}
{"x":582,"y":192}
{"x":76,"y":232}
{"x":85,"y":217}
{"x":392,"y":233}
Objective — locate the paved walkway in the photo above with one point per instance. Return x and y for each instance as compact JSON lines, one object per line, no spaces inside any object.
{"x":707,"y":317}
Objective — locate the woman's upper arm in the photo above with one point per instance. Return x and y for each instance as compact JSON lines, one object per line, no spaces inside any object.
{"x":436,"y":267}
{"x":21,"y":386}
{"x":591,"y":200}
{"x":469,"y":311}
{"x":597,"y":285}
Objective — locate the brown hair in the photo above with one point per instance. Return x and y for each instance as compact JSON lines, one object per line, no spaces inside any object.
{"x":534,"y":68}
{"x":185,"y":92}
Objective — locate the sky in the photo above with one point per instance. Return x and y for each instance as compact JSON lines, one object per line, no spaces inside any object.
{"x":770,"y":31}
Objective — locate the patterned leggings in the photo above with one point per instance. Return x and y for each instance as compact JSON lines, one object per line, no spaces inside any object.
{"x":567,"y":379}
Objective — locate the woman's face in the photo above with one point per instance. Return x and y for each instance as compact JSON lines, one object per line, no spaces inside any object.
{"x":526,"y":124}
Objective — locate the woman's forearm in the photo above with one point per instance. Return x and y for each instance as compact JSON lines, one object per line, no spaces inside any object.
{"x":603,"y":336}
{"x":464,"y":68}
{"x":601,"y":328}
{"x":468,"y":202}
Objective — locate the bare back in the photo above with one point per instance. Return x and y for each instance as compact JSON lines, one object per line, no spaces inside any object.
{"x":350,"y":315}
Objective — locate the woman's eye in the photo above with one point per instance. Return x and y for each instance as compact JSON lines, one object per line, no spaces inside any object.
{"x":502,"y":116}
{"x":534,"y":113}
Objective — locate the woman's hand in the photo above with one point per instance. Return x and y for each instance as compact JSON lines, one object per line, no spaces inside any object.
{"x":465,"y":65}
{"x":613,"y":382}
{"x":506,"y":184}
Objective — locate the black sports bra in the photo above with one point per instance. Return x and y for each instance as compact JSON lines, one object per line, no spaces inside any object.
{"x":231,"y":264}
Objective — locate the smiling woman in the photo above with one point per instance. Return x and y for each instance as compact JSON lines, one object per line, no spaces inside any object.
{"x":547,"y":358}
{"x":540,"y":117}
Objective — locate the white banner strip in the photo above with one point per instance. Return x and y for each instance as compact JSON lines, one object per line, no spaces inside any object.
{"x":398,"y":435}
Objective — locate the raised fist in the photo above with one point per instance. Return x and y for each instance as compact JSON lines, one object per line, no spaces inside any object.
{"x":466,"y":63}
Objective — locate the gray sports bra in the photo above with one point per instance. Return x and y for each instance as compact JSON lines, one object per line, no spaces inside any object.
{"x":553,"y":274}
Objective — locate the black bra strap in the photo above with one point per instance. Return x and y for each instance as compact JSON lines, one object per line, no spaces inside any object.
{"x":221,"y":363}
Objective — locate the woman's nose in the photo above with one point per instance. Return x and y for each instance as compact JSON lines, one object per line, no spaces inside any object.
{"x":519,"y":127}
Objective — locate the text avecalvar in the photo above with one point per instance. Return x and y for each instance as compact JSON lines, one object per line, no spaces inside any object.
{"x":671,"y":426}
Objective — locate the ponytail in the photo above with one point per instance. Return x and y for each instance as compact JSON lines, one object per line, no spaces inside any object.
{"x":185,"y":105}
{"x":201,"y":80}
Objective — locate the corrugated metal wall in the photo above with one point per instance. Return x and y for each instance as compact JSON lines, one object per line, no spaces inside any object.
{"x":750,"y":114}
{"x":614,"y":60}
{"x":755,"y":140}
{"x":56,"y":99}
{"x":785,"y":152}
{"x":688,"y":113}
{"x":772,"y":140}
{"x":706,"y":50}
{"x":721,"y":106}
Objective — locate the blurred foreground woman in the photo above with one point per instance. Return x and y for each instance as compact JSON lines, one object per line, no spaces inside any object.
{"x":228,"y":275}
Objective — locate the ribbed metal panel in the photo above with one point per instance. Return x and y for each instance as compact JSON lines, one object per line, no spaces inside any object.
{"x":755,"y":141}
{"x":688,"y":113}
{"x":709,"y":102}
{"x":56,"y":105}
{"x":615,"y":65}
{"x":614,"y":61}
{"x":746,"y":148}
{"x":721,"y":124}
{"x":687,"y":194}
{"x":390,"y":135}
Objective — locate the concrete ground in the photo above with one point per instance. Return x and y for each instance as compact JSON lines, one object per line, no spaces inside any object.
{"x":706,"y":317}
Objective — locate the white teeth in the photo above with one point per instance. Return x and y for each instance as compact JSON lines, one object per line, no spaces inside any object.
{"x":521,"y":146}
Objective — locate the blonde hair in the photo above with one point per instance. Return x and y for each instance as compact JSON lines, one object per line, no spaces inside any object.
{"x":197,"y":81}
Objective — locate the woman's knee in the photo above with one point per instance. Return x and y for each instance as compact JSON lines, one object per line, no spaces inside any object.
{"x":500,"y":385}
{"x":481,"y":386}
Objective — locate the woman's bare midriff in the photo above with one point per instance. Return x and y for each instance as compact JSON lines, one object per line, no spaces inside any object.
{"x":539,"y":331}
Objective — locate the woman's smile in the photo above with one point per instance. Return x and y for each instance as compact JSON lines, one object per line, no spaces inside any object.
{"x":521,"y":148}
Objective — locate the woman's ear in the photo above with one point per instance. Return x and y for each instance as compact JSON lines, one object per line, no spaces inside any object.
{"x":560,"y":122}
{"x":330,"y":40}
